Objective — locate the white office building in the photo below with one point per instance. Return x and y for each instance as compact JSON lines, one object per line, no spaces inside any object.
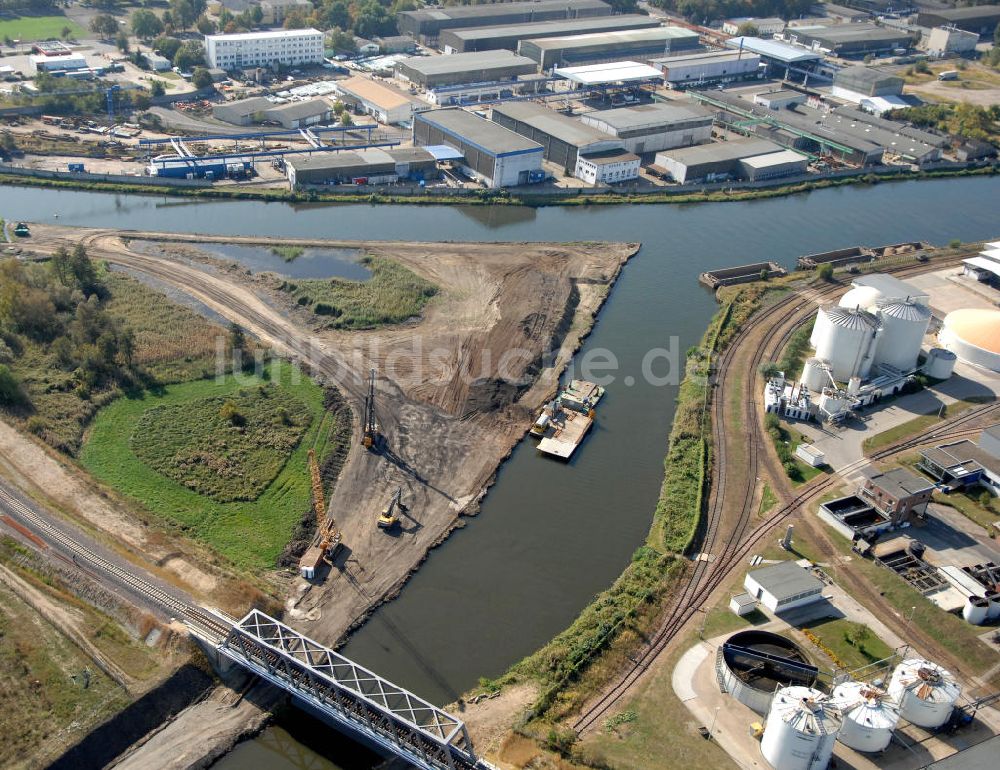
{"x":287,"y":47}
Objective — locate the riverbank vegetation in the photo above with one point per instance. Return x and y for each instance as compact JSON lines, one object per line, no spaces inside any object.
{"x":232,"y":470}
{"x":730,"y":194}
{"x":580,"y":660}
{"x":392,"y":295}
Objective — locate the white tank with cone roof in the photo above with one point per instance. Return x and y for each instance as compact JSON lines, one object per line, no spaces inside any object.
{"x":870,"y":716}
{"x":846,"y":337}
{"x":926,"y":692}
{"x":904,"y":324}
{"x":801,"y":730}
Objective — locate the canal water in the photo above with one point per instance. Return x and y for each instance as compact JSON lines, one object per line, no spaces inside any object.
{"x":549,"y":536}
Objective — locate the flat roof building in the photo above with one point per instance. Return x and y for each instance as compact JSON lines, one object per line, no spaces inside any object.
{"x":780,"y":99}
{"x":311,"y":112}
{"x":856,"y":83}
{"x":654,"y":127}
{"x":462,"y":68}
{"x":493,"y":154}
{"x":773,"y":165}
{"x":609,"y":72}
{"x":383,"y":102}
{"x":774,"y":51}
{"x":698,"y":69}
{"x":712,"y":162}
{"x":606,"y":46}
{"x":370,"y":166}
{"x":849,"y":40}
{"x":287,"y":47}
{"x":563,"y":138}
{"x":898,"y":493}
{"x":981,"y":19}
{"x":428,"y":23}
{"x":508,"y":36}
{"x":607,"y":167}
{"x":770,"y":25}
{"x":783,"y":586}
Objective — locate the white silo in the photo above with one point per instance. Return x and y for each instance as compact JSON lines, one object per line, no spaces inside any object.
{"x":926,"y":693}
{"x":994,"y":611}
{"x":940,"y":363}
{"x":846,"y":337}
{"x":976,"y":610}
{"x":870,"y":716}
{"x":814,"y":374}
{"x":904,"y":324}
{"x":864,"y":297}
{"x":801,"y":729}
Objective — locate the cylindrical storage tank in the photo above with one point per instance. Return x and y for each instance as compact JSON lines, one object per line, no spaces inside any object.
{"x":843,"y":336}
{"x":814,"y":374}
{"x":904,"y":324}
{"x":864,"y":297}
{"x":926,"y":693}
{"x":800,"y":731}
{"x":940,"y":363}
{"x":994,"y":611}
{"x":869,"y":715}
{"x":974,"y":336}
{"x":976,"y":610}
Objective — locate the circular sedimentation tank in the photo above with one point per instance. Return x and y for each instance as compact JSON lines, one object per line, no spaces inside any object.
{"x":869,"y":714}
{"x":801,"y":730}
{"x":925,"y":691}
{"x":754,"y":663}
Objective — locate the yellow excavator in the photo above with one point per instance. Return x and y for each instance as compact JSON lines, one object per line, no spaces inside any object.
{"x":370,"y":434}
{"x":328,"y":537}
{"x":388,"y":518}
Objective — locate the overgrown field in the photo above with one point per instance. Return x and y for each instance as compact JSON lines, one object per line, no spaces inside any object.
{"x":250,"y":533}
{"x":228,"y":448}
{"x":392,"y":295}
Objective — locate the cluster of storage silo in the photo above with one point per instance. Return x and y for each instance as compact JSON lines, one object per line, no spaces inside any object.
{"x":803,"y":723}
{"x":868,"y":328}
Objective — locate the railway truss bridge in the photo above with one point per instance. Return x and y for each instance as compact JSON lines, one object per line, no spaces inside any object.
{"x":339,"y":690}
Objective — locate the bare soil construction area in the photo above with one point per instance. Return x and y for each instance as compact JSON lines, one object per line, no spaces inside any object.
{"x":456,"y":388}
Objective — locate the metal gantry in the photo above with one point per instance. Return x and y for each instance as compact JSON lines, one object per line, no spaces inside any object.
{"x":351,"y":695}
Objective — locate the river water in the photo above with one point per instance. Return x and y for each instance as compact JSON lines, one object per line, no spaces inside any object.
{"x":549,"y":536}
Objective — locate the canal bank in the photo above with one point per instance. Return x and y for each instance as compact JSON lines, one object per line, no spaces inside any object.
{"x":420,"y":196}
{"x":550,"y":537}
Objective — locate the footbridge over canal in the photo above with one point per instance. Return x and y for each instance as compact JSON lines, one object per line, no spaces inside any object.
{"x":348,"y":695}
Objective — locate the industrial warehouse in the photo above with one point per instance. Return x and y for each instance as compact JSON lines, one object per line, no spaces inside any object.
{"x":490,"y":38}
{"x":563,"y":139}
{"x":578,"y":49}
{"x":428,"y":24}
{"x":370,"y":166}
{"x":496,"y":155}
{"x":654,"y":127}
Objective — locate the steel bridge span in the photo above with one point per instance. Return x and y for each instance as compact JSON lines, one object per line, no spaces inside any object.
{"x":339,"y":689}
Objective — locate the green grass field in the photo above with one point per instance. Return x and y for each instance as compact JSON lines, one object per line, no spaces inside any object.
{"x":250,"y":534}
{"x":30,"y":28}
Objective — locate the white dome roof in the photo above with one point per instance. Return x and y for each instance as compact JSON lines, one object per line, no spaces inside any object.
{"x":865,"y":297}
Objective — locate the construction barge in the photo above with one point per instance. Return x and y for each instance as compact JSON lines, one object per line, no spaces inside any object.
{"x":857,"y":255}
{"x":565,"y":421}
{"x":729,"y":276}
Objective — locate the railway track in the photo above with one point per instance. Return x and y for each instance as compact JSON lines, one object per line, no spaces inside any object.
{"x":705,"y":576}
{"x":86,"y":557}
